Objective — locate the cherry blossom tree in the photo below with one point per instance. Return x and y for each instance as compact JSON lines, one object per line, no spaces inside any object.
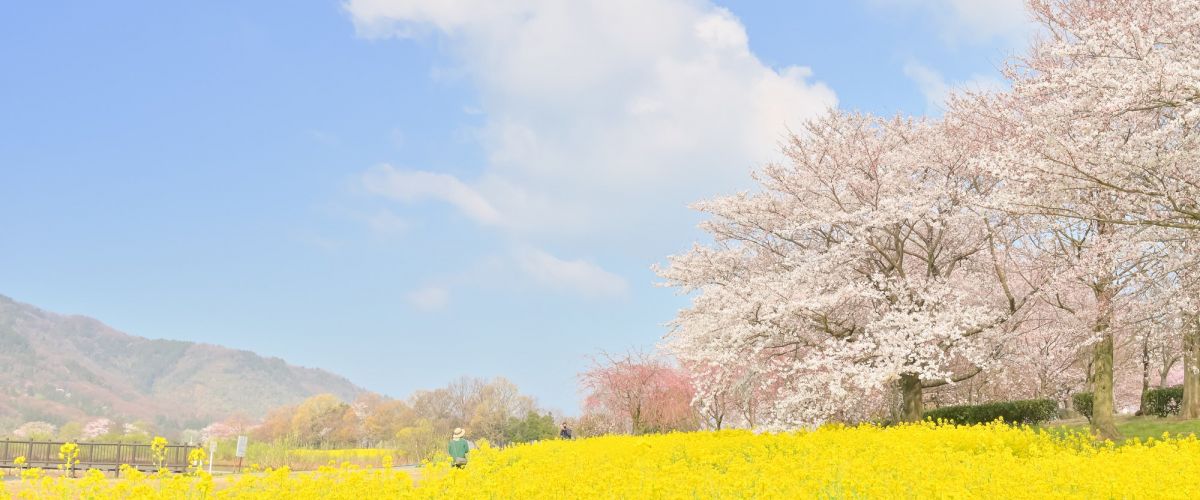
{"x":1046,"y":361}
{"x":640,"y":393}
{"x":869,"y":260}
{"x":1187,"y":306}
{"x":1100,"y":137}
{"x":1101,"y":274}
{"x":1165,"y":310}
{"x":35,"y":431}
{"x":733,"y":394}
{"x":1116,"y":85}
{"x":96,"y":428}
{"x":1029,"y":238}
{"x":221,"y":430}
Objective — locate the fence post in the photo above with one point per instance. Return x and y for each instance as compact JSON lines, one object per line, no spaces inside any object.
{"x":118,"y":469}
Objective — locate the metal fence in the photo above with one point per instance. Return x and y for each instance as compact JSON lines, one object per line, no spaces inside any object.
{"x":102,"y":456}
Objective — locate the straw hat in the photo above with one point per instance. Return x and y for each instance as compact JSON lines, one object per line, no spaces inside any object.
{"x":459,"y":432}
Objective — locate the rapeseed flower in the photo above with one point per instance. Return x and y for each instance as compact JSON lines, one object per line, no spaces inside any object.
{"x":924,"y":460}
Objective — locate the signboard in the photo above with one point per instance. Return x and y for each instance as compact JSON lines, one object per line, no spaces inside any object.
{"x":241,"y":447}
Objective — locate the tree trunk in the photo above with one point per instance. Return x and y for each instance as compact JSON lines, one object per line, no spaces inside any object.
{"x":1145,"y":375}
{"x":1104,"y":422}
{"x":912,"y":397}
{"x":749,"y":411}
{"x":1103,"y":407}
{"x":1190,"y":407}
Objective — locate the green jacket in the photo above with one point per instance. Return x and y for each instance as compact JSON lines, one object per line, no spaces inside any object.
{"x":458,"y":448}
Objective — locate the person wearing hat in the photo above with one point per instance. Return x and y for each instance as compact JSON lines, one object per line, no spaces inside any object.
{"x":459,"y":448}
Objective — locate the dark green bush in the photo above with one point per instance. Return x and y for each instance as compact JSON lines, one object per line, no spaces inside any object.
{"x":1164,"y":401}
{"x":1082,"y":401}
{"x":1032,"y":411}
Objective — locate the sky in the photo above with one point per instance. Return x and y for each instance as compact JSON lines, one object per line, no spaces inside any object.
{"x":404,"y":192}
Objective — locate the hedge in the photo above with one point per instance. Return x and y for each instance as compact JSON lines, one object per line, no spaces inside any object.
{"x":1031,"y":411}
{"x":1163,"y":401}
{"x":1160,"y":402}
{"x":1082,"y":401}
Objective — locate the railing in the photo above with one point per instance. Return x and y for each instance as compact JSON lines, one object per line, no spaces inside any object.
{"x":102,"y":456}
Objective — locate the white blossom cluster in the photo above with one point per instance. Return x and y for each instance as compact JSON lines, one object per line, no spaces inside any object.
{"x":1027,"y":235}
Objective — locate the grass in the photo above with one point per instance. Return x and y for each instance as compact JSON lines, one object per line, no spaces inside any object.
{"x":1140,"y":427}
{"x":281,"y":454}
{"x":225,"y":480}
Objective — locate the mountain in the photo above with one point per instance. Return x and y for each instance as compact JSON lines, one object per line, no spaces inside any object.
{"x":71,"y":368}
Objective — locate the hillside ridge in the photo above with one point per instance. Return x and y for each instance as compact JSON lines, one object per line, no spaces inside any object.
{"x":63,"y":368}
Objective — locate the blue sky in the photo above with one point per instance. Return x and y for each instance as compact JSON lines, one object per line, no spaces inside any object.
{"x":407,"y":191}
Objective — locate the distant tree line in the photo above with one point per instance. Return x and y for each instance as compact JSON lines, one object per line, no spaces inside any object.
{"x":419,"y":426}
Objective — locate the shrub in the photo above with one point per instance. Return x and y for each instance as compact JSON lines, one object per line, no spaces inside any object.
{"x":1082,"y":401}
{"x":533,"y":427}
{"x":1031,"y":411}
{"x":1163,"y":401}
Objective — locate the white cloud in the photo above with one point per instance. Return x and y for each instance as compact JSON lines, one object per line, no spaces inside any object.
{"x":429,"y":298}
{"x":936,"y":89}
{"x":599,"y":112}
{"x":415,"y":185}
{"x":525,"y":268}
{"x":386,"y":222}
{"x":974,"y":20}
{"x":601,"y":121}
{"x":577,"y":276}
{"x":933,"y":86}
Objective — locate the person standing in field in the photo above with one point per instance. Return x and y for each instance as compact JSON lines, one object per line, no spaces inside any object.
{"x":565,"y":433}
{"x":459,"y":448}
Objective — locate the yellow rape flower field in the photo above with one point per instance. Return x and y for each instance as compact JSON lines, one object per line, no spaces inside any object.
{"x":911,"y":461}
